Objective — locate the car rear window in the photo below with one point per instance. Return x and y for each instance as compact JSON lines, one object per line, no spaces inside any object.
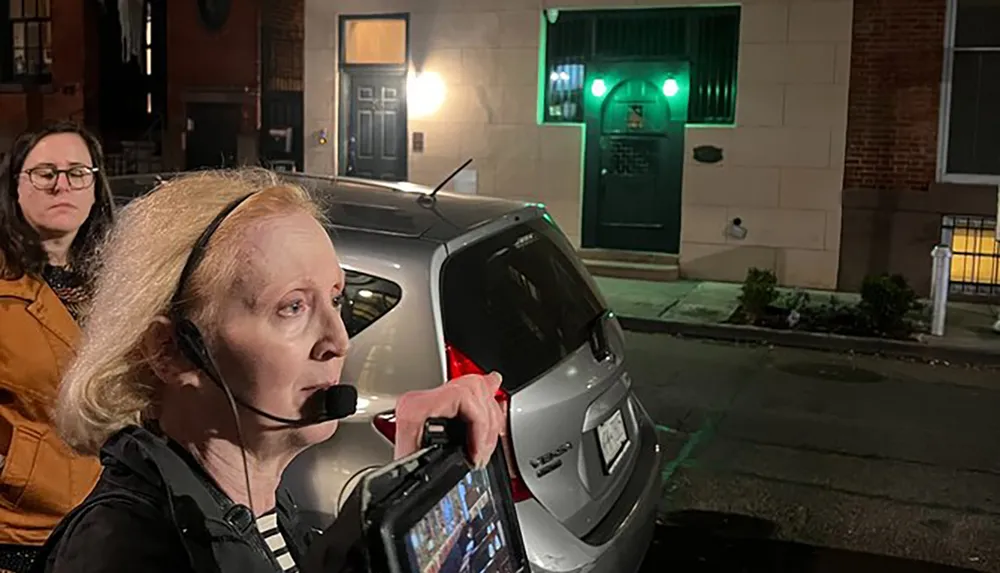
{"x":125,"y":188}
{"x":517,"y":302}
{"x":368,"y":299}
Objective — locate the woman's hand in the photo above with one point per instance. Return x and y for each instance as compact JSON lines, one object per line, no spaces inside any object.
{"x":471,"y":398}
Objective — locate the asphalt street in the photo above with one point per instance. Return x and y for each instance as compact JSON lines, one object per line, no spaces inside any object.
{"x":792,"y":460}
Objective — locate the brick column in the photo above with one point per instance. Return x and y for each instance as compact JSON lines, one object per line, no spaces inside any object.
{"x":895,"y":93}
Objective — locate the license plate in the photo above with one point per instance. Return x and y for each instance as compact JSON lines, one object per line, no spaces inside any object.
{"x":612,"y":439}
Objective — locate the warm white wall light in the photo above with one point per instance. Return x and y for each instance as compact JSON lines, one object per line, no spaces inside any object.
{"x":425,"y":94}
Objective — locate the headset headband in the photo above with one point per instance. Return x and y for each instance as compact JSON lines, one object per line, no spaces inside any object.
{"x":198,"y":251}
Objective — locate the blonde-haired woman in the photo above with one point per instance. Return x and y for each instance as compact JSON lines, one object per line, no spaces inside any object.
{"x":217,"y":290}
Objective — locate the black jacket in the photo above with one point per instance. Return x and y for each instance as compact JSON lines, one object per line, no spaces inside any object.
{"x":155,"y":510}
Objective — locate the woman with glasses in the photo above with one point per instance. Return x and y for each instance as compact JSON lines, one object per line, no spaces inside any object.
{"x":55,"y":207}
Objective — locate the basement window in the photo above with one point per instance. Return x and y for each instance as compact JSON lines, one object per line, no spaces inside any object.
{"x":975,"y":263}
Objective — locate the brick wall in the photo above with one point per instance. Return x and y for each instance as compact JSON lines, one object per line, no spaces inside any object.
{"x":199,"y":59}
{"x":896,"y":66}
{"x":64,"y":98}
{"x":211,"y":65}
{"x":283,"y":31}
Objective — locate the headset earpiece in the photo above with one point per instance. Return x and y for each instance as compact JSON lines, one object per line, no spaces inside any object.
{"x":192,"y":345}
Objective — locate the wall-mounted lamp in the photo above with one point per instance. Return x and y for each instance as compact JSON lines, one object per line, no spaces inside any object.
{"x":598,"y":88}
{"x":671,"y":87}
{"x":736,"y":230}
{"x":552,"y":15}
{"x":425,"y":93}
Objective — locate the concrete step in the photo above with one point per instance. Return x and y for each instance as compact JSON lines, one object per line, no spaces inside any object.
{"x":640,"y":257}
{"x":631,"y":270}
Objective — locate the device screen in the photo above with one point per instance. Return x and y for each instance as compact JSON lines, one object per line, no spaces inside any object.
{"x":463,"y":533}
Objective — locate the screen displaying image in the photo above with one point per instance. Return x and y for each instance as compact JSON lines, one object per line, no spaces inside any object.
{"x":463,"y":533}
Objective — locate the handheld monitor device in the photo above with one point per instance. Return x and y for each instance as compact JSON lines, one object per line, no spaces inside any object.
{"x":431,"y":512}
{"x":434,"y":513}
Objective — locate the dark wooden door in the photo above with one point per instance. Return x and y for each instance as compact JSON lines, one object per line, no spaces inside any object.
{"x":376,"y":127}
{"x":634,"y":161}
{"x":212,"y":135}
{"x":281,"y":133}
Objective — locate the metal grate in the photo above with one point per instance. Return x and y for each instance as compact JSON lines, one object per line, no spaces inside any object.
{"x":631,"y":157}
{"x":975,"y":263}
{"x":708,"y":37}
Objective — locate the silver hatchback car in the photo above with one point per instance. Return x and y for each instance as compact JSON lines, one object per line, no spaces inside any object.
{"x":459,"y":284}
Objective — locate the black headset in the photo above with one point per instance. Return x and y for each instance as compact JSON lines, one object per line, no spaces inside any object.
{"x":337,"y":402}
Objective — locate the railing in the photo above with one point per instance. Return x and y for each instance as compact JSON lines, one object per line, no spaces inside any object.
{"x":139,"y":156}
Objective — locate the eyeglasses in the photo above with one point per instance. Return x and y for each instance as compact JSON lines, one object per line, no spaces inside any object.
{"x":45,"y":178}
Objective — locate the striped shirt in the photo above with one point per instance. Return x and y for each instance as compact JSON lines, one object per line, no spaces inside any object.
{"x":267,"y":524}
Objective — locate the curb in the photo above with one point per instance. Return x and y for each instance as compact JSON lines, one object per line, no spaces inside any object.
{"x":816,"y":341}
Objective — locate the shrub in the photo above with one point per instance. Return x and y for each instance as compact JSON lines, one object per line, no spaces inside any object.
{"x":885,"y":301}
{"x":759,"y":292}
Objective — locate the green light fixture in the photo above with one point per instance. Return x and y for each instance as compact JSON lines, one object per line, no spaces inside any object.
{"x":598,"y":87}
{"x":670,"y":87}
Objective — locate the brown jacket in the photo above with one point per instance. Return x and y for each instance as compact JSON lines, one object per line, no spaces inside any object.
{"x":41,"y":478}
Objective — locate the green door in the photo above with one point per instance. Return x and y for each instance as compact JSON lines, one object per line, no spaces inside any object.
{"x":633,"y":167}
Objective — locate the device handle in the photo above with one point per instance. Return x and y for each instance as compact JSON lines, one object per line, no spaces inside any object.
{"x":443,"y":432}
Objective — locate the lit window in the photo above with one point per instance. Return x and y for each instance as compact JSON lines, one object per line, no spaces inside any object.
{"x":564,"y":91}
{"x":375,"y":41}
{"x":975,"y":263}
{"x":149,"y":39}
{"x":31,"y":39}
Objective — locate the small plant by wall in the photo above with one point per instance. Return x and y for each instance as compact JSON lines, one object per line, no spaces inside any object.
{"x":885,"y":308}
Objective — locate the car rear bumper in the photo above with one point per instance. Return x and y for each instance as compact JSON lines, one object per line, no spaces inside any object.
{"x":552,"y":548}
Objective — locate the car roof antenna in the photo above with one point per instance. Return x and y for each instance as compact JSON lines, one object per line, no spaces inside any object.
{"x":429,"y":198}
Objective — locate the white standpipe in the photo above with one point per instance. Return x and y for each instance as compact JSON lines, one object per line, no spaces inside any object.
{"x":940,"y":285}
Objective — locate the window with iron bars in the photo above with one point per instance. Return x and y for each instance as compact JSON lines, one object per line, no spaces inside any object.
{"x":707,"y":37}
{"x":975,"y":263}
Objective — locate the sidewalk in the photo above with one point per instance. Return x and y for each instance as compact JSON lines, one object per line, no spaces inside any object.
{"x":700,"y":309}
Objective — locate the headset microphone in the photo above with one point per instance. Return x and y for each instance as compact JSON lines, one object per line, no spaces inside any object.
{"x":334,"y":403}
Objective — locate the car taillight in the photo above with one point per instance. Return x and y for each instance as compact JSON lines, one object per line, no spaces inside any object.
{"x":385,"y":423}
{"x":459,"y":365}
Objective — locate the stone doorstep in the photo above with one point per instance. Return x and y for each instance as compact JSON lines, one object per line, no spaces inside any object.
{"x":632,"y":265}
{"x":650,"y":272}
{"x":628,"y":256}
{"x":923,"y":349}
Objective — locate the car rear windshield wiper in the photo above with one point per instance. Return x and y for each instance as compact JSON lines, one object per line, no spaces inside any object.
{"x":598,"y":338}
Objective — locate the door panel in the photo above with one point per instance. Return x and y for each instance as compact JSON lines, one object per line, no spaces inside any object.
{"x":631,"y":177}
{"x":213,"y":131}
{"x":376,"y":133}
{"x":281,"y":134}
